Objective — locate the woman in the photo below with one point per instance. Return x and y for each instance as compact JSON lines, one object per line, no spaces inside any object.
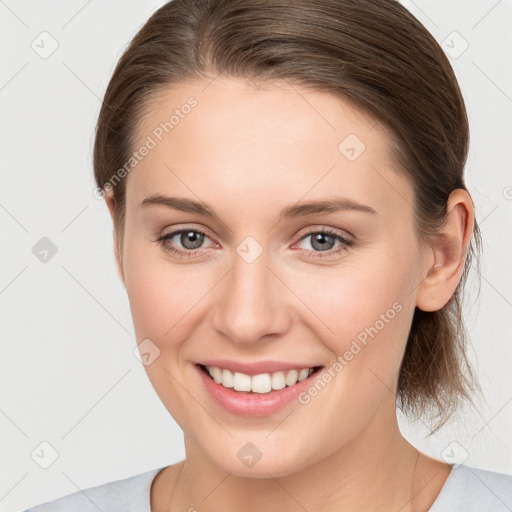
{"x":293,"y":230}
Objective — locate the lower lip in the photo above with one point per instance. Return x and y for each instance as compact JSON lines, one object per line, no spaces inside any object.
{"x":254,"y":405}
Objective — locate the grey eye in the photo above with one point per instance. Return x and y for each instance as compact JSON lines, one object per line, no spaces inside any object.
{"x":190,"y":239}
{"x":322,"y":241}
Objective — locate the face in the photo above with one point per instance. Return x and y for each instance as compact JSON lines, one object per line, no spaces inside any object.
{"x":260,"y":276}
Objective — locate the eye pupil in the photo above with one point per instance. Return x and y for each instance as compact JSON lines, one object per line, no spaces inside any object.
{"x":191,"y":237}
{"x":320,"y":238}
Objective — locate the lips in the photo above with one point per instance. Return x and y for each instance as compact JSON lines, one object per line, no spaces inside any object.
{"x":252,"y":404}
{"x":260,"y":383}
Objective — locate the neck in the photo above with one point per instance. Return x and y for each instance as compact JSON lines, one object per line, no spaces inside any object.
{"x":377,"y":470}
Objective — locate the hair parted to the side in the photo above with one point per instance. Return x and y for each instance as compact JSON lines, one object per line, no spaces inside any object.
{"x":373,"y":53}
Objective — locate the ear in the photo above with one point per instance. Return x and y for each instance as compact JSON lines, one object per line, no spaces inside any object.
{"x":108,"y":194}
{"x":444,"y":267}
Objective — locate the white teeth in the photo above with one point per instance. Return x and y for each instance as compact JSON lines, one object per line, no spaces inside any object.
{"x":227,"y":378}
{"x":278,"y":380}
{"x":292,"y":377}
{"x":241,"y":382}
{"x":217,"y":374}
{"x":262,"y":383}
{"x":303,"y":374}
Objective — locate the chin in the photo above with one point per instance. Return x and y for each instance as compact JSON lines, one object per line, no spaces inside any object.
{"x":248,"y":461}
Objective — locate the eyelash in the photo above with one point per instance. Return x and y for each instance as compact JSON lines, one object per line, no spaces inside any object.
{"x":345,"y":243}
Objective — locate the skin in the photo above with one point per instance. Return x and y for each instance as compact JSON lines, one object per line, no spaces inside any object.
{"x":249,"y":152}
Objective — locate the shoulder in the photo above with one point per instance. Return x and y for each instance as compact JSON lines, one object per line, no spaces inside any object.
{"x":127,"y":495}
{"x":470,"y":489}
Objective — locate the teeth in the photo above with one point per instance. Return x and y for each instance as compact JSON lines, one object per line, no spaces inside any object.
{"x":262,"y":383}
{"x":241,"y":382}
{"x":292,"y":377}
{"x":303,"y":374}
{"x":278,"y":380}
{"x":217,"y":375}
{"x":227,"y":379}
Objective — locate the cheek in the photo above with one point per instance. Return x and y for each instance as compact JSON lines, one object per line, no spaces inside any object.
{"x":161,"y":294}
{"x":161,"y":297}
{"x":363,"y":310}
{"x":164,"y":301}
{"x":368,"y":310}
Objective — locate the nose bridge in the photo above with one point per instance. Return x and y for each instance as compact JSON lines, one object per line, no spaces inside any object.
{"x":251,"y":305}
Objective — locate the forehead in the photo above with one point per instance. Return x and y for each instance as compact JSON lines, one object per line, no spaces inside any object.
{"x":275,"y":141}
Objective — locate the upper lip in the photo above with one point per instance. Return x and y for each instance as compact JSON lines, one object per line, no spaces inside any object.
{"x":257,"y":367}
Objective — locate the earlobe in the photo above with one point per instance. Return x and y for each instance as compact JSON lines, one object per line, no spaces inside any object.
{"x":449,"y":250}
{"x":110,"y":200}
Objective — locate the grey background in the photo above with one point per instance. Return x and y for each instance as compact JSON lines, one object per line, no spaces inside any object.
{"x":68,"y":374}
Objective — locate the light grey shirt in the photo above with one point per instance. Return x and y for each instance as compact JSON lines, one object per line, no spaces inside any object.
{"x":467,"y":489}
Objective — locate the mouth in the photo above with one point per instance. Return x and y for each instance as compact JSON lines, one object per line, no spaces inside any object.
{"x":260,"y":384}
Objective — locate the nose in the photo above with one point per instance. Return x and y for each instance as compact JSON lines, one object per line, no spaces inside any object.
{"x":252,"y":306}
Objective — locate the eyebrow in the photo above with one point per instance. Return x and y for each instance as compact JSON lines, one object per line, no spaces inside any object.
{"x":292,"y":211}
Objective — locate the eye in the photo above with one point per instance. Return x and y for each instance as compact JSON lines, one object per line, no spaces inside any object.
{"x":324,"y":241}
{"x":188,"y":242}
{"x":184,"y":242}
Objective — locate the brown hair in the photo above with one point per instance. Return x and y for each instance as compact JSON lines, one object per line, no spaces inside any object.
{"x":373,"y":53}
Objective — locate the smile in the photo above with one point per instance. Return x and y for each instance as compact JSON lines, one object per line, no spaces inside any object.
{"x":254,"y":389}
{"x":262,"y":383}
